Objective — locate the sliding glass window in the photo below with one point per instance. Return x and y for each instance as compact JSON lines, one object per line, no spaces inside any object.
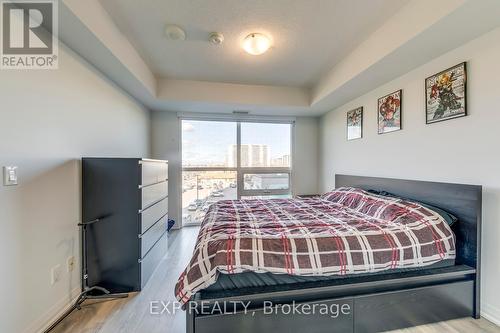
{"x":232,"y":160}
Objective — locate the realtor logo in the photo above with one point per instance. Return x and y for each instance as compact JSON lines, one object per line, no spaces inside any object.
{"x":28,"y":34}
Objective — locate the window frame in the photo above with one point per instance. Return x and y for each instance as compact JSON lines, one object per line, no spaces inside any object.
{"x":241,"y":171}
{"x":257,"y":192}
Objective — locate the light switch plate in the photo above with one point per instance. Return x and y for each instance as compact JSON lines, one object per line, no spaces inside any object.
{"x":9,"y":175}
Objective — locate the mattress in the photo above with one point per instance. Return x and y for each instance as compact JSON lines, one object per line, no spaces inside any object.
{"x":345,"y":232}
{"x":228,"y":285}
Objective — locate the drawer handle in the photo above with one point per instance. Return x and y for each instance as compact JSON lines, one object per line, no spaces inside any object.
{"x":152,"y":204}
{"x":150,"y":160}
{"x":146,"y":185}
{"x":144,"y":257}
{"x":151,"y":226}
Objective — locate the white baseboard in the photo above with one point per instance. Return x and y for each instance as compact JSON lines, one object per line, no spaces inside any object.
{"x":491,"y":313}
{"x":57,"y":310}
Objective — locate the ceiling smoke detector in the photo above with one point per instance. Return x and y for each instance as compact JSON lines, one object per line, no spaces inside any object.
{"x":216,"y":38}
{"x":174,"y":32}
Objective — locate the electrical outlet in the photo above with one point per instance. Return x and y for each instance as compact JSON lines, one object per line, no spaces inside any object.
{"x":70,"y":264}
{"x":55,"y":274}
{"x":9,"y":175}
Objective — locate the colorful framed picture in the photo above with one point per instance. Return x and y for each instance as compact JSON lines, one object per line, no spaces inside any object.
{"x":445,"y":94}
{"x":390,"y":112}
{"x":355,"y":124}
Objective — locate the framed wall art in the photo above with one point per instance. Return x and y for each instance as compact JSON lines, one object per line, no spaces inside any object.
{"x":355,"y":124}
{"x":445,"y":94}
{"x":389,"y":110}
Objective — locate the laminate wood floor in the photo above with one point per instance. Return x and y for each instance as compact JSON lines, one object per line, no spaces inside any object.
{"x":133,"y":314}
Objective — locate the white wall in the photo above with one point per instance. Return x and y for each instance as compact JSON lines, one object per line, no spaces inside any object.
{"x":165,"y":136}
{"x":165,"y":145}
{"x":463,"y":150}
{"x":305,"y":156}
{"x":49,"y":120}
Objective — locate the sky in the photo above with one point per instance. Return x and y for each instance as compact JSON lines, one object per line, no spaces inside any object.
{"x":208,"y":141}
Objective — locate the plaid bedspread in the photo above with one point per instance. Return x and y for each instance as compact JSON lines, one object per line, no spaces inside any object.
{"x":346,"y":231}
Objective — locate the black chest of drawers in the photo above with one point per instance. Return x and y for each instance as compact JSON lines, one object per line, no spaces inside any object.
{"x":129,"y":196}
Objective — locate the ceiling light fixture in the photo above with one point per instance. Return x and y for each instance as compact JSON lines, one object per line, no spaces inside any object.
{"x":256,"y":44}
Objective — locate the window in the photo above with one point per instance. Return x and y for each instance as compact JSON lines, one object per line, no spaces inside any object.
{"x":266,"y":181}
{"x":205,"y":143}
{"x":224,"y":160}
{"x":200,"y":189}
{"x":265,"y":145}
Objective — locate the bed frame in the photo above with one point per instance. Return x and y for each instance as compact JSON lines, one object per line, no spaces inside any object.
{"x":376,"y":303}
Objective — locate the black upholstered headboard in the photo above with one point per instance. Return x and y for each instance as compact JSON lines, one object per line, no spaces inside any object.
{"x":463,"y":201}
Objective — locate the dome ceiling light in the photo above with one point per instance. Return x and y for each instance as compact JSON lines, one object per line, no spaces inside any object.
{"x":174,"y":32}
{"x":256,"y":44}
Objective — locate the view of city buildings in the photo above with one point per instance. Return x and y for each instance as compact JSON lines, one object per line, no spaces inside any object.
{"x":255,"y":155}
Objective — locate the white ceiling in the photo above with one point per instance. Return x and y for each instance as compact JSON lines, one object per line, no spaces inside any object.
{"x":326,"y":53}
{"x":310,"y":36}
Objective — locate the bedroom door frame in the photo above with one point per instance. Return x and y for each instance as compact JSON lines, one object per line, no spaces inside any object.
{"x":241,"y":171}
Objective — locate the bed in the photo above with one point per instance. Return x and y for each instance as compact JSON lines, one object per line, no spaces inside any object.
{"x":390,"y":261}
